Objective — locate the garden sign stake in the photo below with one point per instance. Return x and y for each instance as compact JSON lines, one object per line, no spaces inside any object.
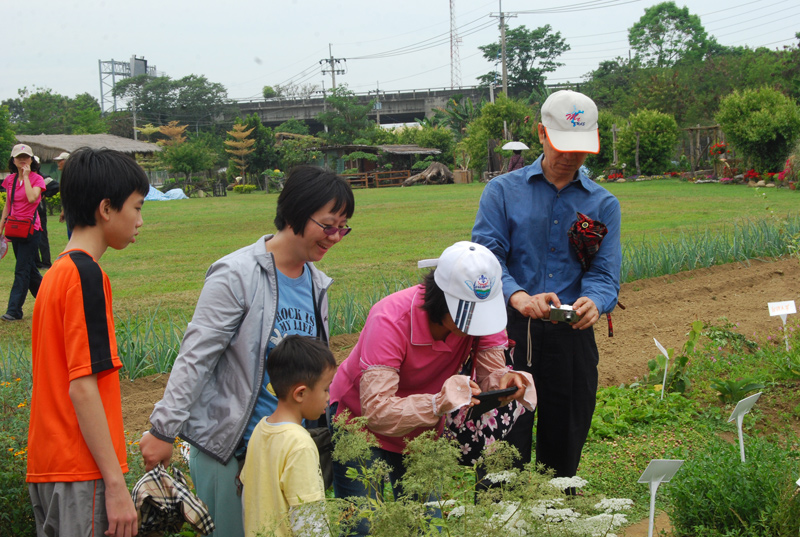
{"x":782,"y":309}
{"x":657,"y":472}
{"x":666,"y":366}
{"x":742,"y":408}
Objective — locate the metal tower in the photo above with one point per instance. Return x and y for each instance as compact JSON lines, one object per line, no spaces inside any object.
{"x":455,"y":58}
{"x":112,"y":71}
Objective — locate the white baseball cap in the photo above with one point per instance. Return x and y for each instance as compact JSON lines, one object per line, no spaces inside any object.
{"x":472,"y":281}
{"x":21,"y":149}
{"x":570,"y":121}
{"x":63,"y":156}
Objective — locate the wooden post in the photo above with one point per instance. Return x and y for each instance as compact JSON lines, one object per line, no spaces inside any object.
{"x":638,"y":170}
{"x":615,"y":162}
{"x":697,"y":147}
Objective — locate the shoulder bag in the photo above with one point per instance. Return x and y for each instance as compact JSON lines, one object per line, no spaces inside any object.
{"x":17,"y":228}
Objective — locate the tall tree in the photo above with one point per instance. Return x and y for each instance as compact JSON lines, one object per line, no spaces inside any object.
{"x":265,"y":156}
{"x":83,"y":115}
{"x":153,"y":98}
{"x":346,"y":118}
{"x":189,"y":157}
{"x":175,"y":133}
{"x":241,"y":146}
{"x":7,"y":138}
{"x":530,"y":54}
{"x":667,"y":34}
{"x":40,"y":112}
{"x":192,"y":99}
{"x":200,"y":102}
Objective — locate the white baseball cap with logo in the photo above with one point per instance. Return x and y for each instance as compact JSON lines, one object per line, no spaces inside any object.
{"x":21,"y":149}
{"x":62,"y":156}
{"x":570,"y":121}
{"x":472,"y":281}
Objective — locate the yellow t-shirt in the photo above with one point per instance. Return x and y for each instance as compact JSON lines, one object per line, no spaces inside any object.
{"x":281,"y":470}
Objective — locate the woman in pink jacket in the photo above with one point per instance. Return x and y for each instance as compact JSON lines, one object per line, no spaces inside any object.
{"x":403,"y":374}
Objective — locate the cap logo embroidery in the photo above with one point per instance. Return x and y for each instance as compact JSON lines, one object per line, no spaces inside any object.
{"x":482,"y":287}
{"x":575,"y":119}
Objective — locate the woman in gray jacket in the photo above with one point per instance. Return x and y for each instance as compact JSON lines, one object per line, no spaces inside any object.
{"x":251,"y":299}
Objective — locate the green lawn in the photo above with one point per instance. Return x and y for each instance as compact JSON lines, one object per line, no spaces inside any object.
{"x":392,"y":229}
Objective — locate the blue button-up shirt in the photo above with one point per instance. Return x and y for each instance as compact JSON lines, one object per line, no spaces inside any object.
{"x":523,"y":219}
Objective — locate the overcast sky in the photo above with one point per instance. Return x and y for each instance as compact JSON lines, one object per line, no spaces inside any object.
{"x":247,"y":44}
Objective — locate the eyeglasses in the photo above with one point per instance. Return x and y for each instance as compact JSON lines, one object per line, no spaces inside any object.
{"x":330,"y":231}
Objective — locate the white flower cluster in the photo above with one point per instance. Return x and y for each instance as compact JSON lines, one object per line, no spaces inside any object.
{"x":612,"y":505}
{"x":561,"y":483}
{"x":501,"y":477}
{"x":598,"y":525}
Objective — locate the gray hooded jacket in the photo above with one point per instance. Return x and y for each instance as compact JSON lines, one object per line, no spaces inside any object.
{"x":216,"y":378}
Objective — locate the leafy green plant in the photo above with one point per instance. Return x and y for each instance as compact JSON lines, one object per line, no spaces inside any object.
{"x":527,"y":502}
{"x":731,"y":391}
{"x":714,"y":493}
{"x":654,"y":135}
{"x":622,"y":411}
{"x":763,"y":123}
{"x":244,"y":189}
{"x":148,"y":344}
{"x":675,"y":379}
{"x":725,"y":336}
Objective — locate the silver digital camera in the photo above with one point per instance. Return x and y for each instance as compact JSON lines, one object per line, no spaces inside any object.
{"x":564,"y":314}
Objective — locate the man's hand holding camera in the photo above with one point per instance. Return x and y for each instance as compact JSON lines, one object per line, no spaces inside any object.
{"x":538,"y":307}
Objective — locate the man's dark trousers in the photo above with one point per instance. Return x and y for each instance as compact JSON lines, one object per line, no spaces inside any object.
{"x":564,"y":369}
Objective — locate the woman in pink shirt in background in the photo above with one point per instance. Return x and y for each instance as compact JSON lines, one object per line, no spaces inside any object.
{"x":403,"y":372}
{"x":25,"y":185}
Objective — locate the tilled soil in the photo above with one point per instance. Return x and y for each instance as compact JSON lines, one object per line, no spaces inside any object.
{"x":661,"y":308}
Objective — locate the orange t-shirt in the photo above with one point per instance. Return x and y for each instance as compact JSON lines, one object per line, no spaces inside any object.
{"x":73,"y":336}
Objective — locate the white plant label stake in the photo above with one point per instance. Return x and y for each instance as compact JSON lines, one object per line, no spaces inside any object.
{"x":782,"y":309}
{"x":657,"y":472}
{"x":666,"y":365}
{"x":742,"y":408}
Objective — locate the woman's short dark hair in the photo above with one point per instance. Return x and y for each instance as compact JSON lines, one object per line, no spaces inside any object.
{"x":307,"y":190}
{"x":434,"y":302}
{"x":35,"y":166}
{"x":92,"y":175}
{"x":297,"y":360}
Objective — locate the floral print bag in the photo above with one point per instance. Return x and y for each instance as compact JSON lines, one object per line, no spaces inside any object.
{"x":474,"y":435}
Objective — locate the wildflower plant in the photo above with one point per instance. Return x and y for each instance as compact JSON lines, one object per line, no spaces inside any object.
{"x":16,"y":514}
{"x":492,"y":498}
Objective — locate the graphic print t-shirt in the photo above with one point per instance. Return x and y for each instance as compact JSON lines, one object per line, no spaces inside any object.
{"x":295,"y":315}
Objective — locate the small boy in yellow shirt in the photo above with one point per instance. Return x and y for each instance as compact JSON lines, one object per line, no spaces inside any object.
{"x":281,"y":473}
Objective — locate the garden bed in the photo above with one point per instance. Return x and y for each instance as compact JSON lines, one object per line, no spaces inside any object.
{"x":661,"y":307}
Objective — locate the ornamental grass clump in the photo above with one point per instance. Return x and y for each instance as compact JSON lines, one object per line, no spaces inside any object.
{"x":715,"y":494}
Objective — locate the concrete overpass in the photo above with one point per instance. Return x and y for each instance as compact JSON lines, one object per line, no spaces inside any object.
{"x":395,"y":107}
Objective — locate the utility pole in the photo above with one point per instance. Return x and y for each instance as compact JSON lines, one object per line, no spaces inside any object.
{"x":331,"y":61}
{"x":378,"y":103}
{"x":502,"y":17}
{"x":324,"y":101}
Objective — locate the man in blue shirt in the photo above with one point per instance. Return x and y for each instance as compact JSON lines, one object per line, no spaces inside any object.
{"x":523,"y":219}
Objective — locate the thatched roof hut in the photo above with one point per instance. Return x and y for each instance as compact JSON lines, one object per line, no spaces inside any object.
{"x":48,"y":146}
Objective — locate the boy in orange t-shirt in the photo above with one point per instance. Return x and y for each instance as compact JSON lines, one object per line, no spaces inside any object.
{"x":76,"y":444}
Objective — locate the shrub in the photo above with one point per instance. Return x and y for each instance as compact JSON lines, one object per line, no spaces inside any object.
{"x":244,"y":189}
{"x":715,"y":493}
{"x":762,"y":123}
{"x":658,"y":134}
{"x":16,"y":513}
{"x":604,"y":159}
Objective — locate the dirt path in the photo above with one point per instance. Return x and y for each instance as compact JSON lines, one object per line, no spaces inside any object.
{"x":662,"y":307}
